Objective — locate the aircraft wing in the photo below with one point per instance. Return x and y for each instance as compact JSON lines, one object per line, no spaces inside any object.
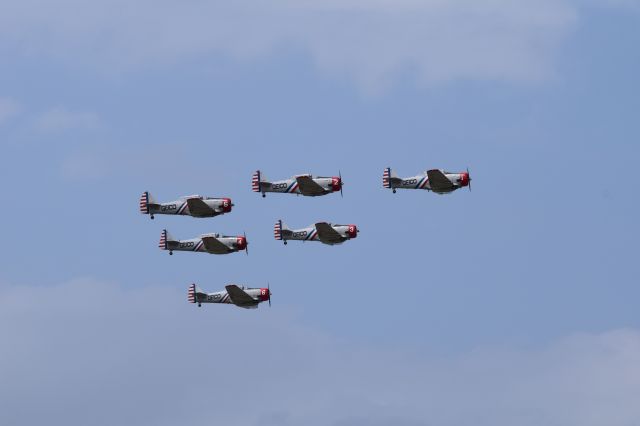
{"x":197,"y":207}
{"x":308,"y":186}
{"x":214,"y":245}
{"x":439,"y":182}
{"x":239,"y":297}
{"x":327,"y":234}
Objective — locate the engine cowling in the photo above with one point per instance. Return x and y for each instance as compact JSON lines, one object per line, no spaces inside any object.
{"x":264,"y":294}
{"x":226,"y":205}
{"x":352,"y":231}
{"x":336,"y":183}
{"x":241,"y":243}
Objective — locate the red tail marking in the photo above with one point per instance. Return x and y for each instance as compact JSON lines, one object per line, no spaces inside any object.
{"x":144,"y":203}
{"x":255,"y":181}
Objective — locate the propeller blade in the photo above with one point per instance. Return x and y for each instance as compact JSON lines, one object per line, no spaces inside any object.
{"x":340,"y":175}
{"x":469,"y":176}
{"x":246,"y":244}
{"x":269,"y":291}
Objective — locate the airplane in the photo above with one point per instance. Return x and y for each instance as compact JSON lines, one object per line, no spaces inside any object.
{"x":209,"y":243}
{"x":435,"y":180}
{"x":324,"y":232}
{"x":188,"y":205}
{"x":304,"y":184}
{"x":247,"y":298}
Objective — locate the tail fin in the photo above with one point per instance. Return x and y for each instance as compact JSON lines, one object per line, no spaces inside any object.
{"x":387,"y":176}
{"x":256,"y":180}
{"x":277,"y":230}
{"x":194,"y":294}
{"x":144,"y":203}
{"x":165,"y":239}
{"x":191,"y":294}
{"x":280,"y":229}
{"x":146,"y":199}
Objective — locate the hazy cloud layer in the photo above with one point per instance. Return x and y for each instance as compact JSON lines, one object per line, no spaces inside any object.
{"x":371,"y":42}
{"x":95,"y":353}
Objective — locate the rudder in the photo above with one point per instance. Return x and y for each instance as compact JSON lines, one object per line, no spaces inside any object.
{"x":277,"y":230}
{"x":385,"y":178}
{"x":165,"y":240}
{"x":191,"y":294}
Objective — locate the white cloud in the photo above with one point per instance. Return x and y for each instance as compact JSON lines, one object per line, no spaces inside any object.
{"x":8,"y":109}
{"x":92,"y":350}
{"x":60,"y":118}
{"x":372,"y":42}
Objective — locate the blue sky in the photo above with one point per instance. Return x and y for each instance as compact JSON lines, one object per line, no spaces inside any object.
{"x":513,"y":302}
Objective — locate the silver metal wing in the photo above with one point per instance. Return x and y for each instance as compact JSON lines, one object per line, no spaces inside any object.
{"x":239,"y":297}
{"x":439,"y":182}
{"x":199,"y":208}
{"x":214,"y":245}
{"x":308,"y":186}
{"x":327,"y":234}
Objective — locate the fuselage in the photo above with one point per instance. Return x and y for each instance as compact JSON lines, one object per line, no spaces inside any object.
{"x":233,"y":243}
{"x":181,"y":207}
{"x":291,"y":186}
{"x":258,"y":295}
{"x":422,"y":182}
{"x":311,"y":233}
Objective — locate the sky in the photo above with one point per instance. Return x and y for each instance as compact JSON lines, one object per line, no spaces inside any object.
{"x":515,"y":302}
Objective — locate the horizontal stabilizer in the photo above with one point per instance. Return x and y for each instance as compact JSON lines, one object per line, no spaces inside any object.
{"x":390,"y":179}
{"x":146,"y":200}
{"x":166,"y":240}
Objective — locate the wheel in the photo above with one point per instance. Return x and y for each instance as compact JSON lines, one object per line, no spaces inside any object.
{"x":394,"y":190}
{"x":199,"y":305}
{"x":152,"y":217}
{"x":264,"y":195}
{"x":170,"y":253}
{"x":285,"y":242}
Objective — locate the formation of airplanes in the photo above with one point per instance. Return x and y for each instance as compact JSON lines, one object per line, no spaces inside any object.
{"x":436,"y":180}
